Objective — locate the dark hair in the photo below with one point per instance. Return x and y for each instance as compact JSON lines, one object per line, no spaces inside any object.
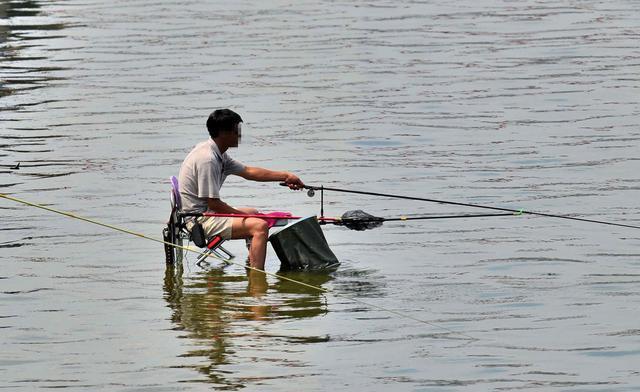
{"x":222,"y":120}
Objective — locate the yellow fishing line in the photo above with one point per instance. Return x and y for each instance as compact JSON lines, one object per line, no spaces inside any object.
{"x":188,"y":249}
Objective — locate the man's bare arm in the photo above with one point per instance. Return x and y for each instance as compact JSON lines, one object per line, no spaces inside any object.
{"x":261,"y":174}
{"x":220,"y":207}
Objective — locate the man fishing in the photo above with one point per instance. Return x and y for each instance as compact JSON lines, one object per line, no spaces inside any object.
{"x":202,"y":174}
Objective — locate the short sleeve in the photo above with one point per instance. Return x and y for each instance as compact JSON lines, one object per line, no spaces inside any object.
{"x":231,"y":166}
{"x":209,"y":182}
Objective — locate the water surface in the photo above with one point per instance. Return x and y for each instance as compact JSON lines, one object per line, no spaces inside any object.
{"x":516,"y":104}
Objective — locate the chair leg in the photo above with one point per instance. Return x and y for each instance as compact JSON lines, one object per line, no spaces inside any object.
{"x":217,"y":250}
{"x":201,"y":259}
{"x":227,"y":255}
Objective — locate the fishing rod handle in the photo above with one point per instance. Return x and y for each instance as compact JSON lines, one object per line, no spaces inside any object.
{"x":310,"y":193}
{"x":310,"y":187}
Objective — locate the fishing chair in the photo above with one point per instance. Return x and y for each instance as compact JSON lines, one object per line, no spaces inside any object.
{"x":176,"y":232}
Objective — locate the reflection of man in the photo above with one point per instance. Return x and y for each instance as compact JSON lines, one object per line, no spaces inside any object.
{"x":202,"y":174}
{"x":210,"y":306}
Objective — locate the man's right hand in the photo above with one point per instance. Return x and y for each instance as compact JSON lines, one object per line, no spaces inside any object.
{"x":293,"y":182}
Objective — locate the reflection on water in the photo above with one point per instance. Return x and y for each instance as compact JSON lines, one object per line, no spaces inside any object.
{"x":213,"y":307}
{"x":24,"y":67}
{"x":523,"y":104}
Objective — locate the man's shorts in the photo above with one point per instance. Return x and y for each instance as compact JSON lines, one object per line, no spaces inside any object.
{"x":215,"y":225}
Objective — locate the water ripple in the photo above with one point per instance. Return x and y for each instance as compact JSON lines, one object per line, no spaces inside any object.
{"x":516,"y":104}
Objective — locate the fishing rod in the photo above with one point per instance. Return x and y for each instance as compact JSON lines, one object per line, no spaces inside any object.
{"x":279,"y":276}
{"x":354,"y":219}
{"x":311,"y":192}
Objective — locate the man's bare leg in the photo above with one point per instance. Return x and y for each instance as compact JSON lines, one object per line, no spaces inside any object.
{"x":257,"y":231}
{"x":248,"y":211}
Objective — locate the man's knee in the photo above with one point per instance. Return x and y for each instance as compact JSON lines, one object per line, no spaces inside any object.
{"x":259,"y":227}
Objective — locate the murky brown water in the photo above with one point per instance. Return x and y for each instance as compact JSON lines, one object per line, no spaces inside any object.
{"x":517,"y":104}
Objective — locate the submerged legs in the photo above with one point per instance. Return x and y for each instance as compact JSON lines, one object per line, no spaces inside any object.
{"x":256,"y":231}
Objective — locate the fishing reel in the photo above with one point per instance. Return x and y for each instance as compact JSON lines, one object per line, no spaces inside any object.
{"x":311,"y":192}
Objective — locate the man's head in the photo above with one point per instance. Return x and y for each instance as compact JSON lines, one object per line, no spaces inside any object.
{"x":224,"y":125}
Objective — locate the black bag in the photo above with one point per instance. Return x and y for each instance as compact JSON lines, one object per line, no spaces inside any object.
{"x":301,"y":246}
{"x":197,"y":235}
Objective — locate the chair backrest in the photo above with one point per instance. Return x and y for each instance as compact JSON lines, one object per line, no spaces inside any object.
{"x":176,"y":200}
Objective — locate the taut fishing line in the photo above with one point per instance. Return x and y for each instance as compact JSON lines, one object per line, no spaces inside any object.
{"x":512,"y":212}
{"x":188,"y":249}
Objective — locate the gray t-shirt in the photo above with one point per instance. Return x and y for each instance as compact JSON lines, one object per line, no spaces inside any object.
{"x":202,"y":174}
